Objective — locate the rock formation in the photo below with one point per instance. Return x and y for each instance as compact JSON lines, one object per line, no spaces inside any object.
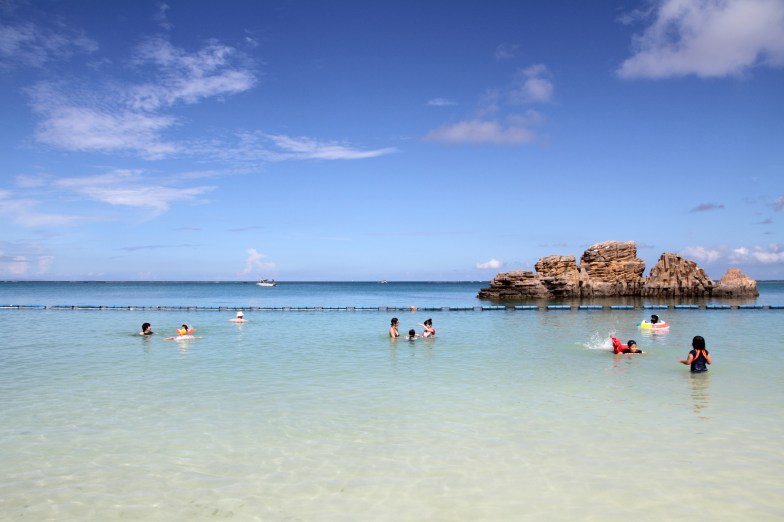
{"x":612,"y":269}
{"x":735,"y":284}
{"x":674,"y":276}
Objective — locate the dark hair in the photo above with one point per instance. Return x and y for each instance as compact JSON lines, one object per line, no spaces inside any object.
{"x":654,"y":318}
{"x":698,"y":343}
{"x":394,"y":320}
{"x":631,"y":342}
{"x":411,"y":332}
{"x":145,"y":326}
{"x":429,"y":322}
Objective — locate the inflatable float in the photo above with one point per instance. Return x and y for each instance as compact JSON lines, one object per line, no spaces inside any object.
{"x":645,"y":325}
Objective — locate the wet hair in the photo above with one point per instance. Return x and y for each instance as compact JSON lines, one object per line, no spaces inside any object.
{"x":145,"y":326}
{"x":394,"y":321}
{"x":429,"y":322}
{"x":631,"y":342}
{"x":698,"y":343}
{"x":411,"y":332}
{"x":654,"y":318}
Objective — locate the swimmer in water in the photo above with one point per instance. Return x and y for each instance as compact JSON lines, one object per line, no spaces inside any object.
{"x":239,"y":319}
{"x":412,"y":335}
{"x":183,"y":333}
{"x":393,"y":333}
{"x":698,"y":357}
{"x":631,"y":347}
{"x":146,"y":329}
{"x":428,"y":326}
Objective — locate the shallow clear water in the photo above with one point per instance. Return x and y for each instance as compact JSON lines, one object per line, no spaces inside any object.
{"x":505,"y":415}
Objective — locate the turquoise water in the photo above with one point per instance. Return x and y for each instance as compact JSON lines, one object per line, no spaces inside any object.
{"x":505,"y":415}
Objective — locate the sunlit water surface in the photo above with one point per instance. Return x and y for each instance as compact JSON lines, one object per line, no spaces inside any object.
{"x":505,"y":415}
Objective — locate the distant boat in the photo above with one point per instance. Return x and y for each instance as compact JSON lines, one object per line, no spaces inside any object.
{"x":267,"y":282}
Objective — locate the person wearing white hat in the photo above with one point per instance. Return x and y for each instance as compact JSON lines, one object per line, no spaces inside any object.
{"x":239,"y":319}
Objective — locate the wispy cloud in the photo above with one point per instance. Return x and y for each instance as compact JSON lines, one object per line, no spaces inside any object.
{"x":254,"y":262}
{"x":157,"y":247}
{"x":130,"y":188}
{"x":705,"y":207}
{"x":702,"y":254}
{"x":25,"y":211}
{"x":24,"y":44}
{"x":160,"y":16}
{"x":770,"y":255}
{"x":505,"y":52}
{"x":532,"y":85}
{"x":479,"y":131}
{"x":493,"y":264}
{"x":778,"y":205}
{"x":744,"y":255}
{"x":440,"y":102}
{"x":118,"y":117}
{"x":708,"y":38}
{"x":22,"y":259}
{"x":255,"y":146}
{"x":498,"y":119}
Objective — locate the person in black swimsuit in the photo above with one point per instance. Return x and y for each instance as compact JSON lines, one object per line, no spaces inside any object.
{"x":698,"y":358}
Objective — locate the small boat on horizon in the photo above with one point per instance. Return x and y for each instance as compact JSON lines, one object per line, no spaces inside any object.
{"x":266,"y":282}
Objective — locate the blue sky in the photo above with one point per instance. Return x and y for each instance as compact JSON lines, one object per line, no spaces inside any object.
{"x":349,"y":140}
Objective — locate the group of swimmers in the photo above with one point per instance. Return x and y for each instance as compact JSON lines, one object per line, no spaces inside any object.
{"x":186,"y":332}
{"x":698,"y":358}
{"x":428,"y":331}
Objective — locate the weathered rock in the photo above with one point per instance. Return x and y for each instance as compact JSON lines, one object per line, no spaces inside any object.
{"x":611,"y":268}
{"x":517,"y":284}
{"x":559,"y":275}
{"x":674,"y":276}
{"x":735,"y":284}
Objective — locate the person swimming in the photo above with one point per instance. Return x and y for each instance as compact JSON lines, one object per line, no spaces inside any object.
{"x":240,"y":318}
{"x":146,"y":329}
{"x":412,"y":335}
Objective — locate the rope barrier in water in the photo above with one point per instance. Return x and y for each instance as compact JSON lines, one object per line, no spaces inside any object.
{"x":392,"y":308}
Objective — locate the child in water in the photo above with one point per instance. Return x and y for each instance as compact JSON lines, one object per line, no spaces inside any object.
{"x":412,"y":334}
{"x":698,"y":357}
{"x":146,"y":329}
{"x":429,"y":330}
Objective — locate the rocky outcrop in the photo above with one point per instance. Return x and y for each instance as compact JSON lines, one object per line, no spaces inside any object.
{"x":674,"y":276}
{"x":735,"y":284}
{"x":612,"y":269}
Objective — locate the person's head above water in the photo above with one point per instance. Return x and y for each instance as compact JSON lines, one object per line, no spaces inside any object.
{"x":428,"y":322}
{"x":698,"y":343}
{"x":240,"y":315}
{"x":654,"y":319}
{"x":631,"y":343}
{"x":394,"y":321}
{"x":412,"y":333}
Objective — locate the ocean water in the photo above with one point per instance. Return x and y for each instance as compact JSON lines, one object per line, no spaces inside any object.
{"x":317,"y":415}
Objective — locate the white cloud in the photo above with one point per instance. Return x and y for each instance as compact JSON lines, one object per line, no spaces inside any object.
{"x":505,"y":52}
{"x":704,"y":207}
{"x":188,"y":77}
{"x":498,"y":120}
{"x":743,"y":255}
{"x":532,"y":85}
{"x":708,"y":38}
{"x":129,"y":118}
{"x":129,"y":188}
{"x":440,"y":102}
{"x":482,"y":131}
{"x":30,"y":45}
{"x":254,"y":263}
{"x":778,"y":205}
{"x":702,"y":254}
{"x":280,"y":147}
{"x":770,"y":255}
{"x":493,"y":264}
